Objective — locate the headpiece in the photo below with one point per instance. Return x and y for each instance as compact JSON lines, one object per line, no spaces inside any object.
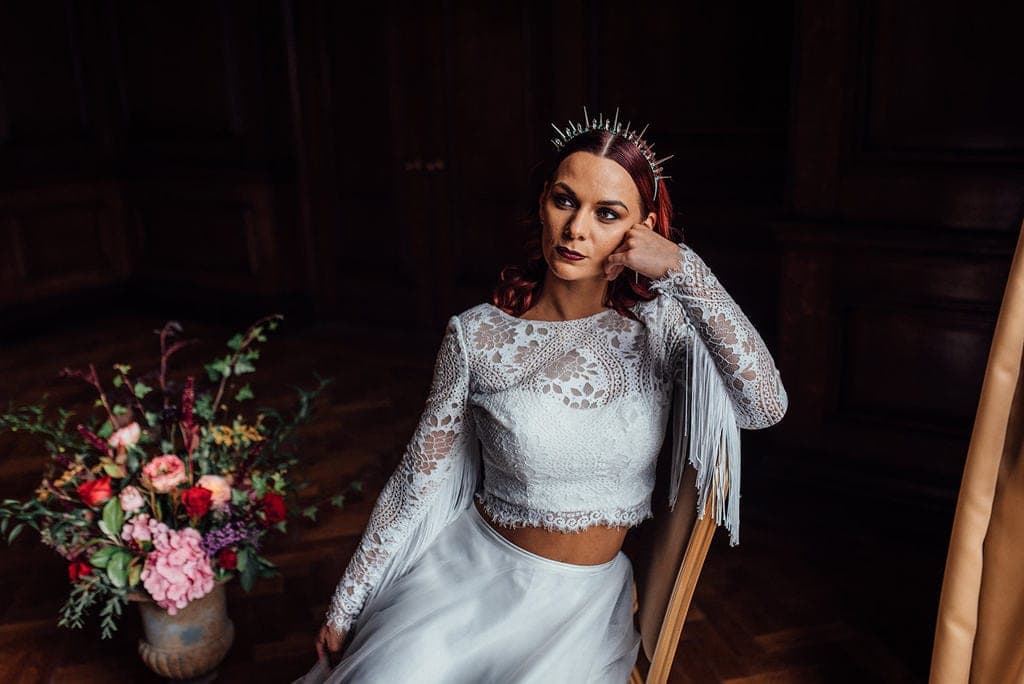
{"x":602,"y":122}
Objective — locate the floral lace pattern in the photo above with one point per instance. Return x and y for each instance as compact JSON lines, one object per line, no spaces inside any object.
{"x":753,"y":381}
{"x":508,"y":514}
{"x":444,"y":422}
{"x":571,"y":416}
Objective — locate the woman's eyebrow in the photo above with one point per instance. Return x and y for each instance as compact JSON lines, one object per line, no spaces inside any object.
{"x":573,"y":195}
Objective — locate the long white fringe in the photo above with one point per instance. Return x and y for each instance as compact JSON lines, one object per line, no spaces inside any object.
{"x":705,"y":430}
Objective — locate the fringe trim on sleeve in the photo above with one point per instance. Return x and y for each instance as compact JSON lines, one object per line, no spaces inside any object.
{"x":453,"y":496}
{"x":706,"y":432}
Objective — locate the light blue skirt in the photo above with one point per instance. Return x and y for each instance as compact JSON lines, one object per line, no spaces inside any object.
{"x":477,"y":608}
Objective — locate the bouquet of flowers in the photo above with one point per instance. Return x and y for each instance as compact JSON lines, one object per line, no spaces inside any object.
{"x":167,"y":489}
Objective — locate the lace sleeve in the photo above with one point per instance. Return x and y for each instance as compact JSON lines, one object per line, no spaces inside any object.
{"x":751,"y":378}
{"x":416,"y":501}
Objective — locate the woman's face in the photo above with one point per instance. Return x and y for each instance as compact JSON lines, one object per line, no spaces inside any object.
{"x":588,"y":208}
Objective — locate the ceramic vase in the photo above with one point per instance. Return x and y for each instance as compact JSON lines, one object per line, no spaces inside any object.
{"x":189,"y":644}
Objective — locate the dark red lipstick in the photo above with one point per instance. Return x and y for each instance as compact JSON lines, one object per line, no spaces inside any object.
{"x":569,"y":254}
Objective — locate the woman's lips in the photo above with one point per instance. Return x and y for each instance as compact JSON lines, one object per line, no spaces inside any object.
{"x":569,"y":254}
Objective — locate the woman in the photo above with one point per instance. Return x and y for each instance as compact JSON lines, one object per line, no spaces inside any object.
{"x":504,"y":564}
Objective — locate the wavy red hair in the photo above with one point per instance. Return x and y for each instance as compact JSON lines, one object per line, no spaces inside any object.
{"x":520,"y":285}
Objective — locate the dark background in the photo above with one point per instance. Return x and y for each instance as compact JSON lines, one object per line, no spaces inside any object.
{"x":852,"y":171}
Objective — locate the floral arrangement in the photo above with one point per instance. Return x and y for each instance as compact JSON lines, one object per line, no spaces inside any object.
{"x":166,"y":489}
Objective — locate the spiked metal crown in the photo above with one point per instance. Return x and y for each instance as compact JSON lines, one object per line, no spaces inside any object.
{"x":602,"y":122}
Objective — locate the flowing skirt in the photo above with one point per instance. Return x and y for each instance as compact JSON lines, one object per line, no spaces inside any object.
{"x":476,"y":608}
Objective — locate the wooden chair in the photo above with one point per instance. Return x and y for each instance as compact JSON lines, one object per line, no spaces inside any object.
{"x":668,"y":553}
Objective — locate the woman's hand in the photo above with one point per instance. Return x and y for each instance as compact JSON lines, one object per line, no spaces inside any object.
{"x":328,"y":644}
{"x":644,"y":251}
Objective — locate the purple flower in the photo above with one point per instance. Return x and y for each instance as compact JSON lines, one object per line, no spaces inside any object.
{"x":234,"y":532}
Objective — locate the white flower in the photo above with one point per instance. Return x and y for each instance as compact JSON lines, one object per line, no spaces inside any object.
{"x":126,"y":436}
{"x":131,"y":499}
{"x":220,"y":489}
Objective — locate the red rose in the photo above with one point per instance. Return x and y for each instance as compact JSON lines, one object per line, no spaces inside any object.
{"x":197,"y":501}
{"x":95,"y":492}
{"x":227,"y":559}
{"x":77,"y":569}
{"x":273,"y":508}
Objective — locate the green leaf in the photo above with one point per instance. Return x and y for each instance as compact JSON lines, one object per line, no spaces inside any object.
{"x":15,"y":532}
{"x":310,"y":513}
{"x":236,"y":341}
{"x":242,"y":560}
{"x":152,"y":418}
{"x":244,"y":393}
{"x":243,"y":366}
{"x":281,"y":526}
{"x":249,"y":575}
{"x":204,"y":407}
{"x":117,"y":381}
{"x":119,"y":410}
{"x":112,"y":469}
{"x":117,"y":569}
{"x":106,"y":430}
{"x":101,"y":558}
{"x":142,"y":389}
{"x":134,"y":571}
{"x":338,"y":500}
{"x":113,"y":516}
{"x":219,"y":368}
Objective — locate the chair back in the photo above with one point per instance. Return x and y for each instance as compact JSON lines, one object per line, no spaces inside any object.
{"x":667,"y":553}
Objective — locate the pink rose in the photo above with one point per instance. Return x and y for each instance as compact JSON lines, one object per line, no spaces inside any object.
{"x":163,"y":473}
{"x":131,"y":499}
{"x":126,"y":436}
{"x":220,"y":490}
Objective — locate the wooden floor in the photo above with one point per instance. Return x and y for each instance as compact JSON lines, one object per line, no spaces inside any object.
{"x":806,"y":597}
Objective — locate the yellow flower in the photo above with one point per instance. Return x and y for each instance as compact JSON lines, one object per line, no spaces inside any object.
{"x":251,"y":434}
{"x":222,"y":435}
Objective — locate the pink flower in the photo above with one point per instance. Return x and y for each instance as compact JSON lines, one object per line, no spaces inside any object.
{"x":126,"y":436}
{"x":177,"y":570}
{"x":219,"y":489}
{"x":140,"y":528}
{"x":131,"y":499}
{"x":164,"y":473}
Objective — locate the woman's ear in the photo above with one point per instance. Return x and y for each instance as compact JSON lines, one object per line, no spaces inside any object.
{"x":651,"y":220}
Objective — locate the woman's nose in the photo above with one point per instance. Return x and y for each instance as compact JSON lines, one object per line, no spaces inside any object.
{"x":576,"y":227}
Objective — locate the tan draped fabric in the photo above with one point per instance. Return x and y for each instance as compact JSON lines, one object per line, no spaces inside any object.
{"x":979,"y":634}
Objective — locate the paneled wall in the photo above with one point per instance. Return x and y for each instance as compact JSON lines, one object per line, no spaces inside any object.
{"x":907,"y":193}
{"x":852,"y":171}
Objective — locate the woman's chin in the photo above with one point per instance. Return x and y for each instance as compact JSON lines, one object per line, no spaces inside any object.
{"x":568,"y":272}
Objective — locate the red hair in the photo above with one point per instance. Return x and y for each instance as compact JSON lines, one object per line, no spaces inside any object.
{"x":520,"y":285}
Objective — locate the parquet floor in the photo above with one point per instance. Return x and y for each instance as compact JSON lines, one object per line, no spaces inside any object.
{"x":818,"y":590}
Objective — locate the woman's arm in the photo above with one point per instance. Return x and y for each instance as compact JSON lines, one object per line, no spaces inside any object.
{"x":751,"y":378}
{"x":409,"y":507}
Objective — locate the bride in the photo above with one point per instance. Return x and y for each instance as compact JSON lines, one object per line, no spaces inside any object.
{"x":493,"y":553}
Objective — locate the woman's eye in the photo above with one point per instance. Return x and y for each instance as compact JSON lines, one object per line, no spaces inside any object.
{"x":611,"y":215}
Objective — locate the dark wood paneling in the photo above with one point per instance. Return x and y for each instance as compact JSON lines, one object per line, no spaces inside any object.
{"x":60,"y":240}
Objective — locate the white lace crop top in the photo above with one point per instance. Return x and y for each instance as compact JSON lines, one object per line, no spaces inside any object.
{"x":559,"y":423}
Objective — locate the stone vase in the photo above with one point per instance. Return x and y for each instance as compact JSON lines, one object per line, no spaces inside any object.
{"x":190,"y":644}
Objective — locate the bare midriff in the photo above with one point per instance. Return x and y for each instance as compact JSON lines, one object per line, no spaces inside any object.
{"x":593,"y":546}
